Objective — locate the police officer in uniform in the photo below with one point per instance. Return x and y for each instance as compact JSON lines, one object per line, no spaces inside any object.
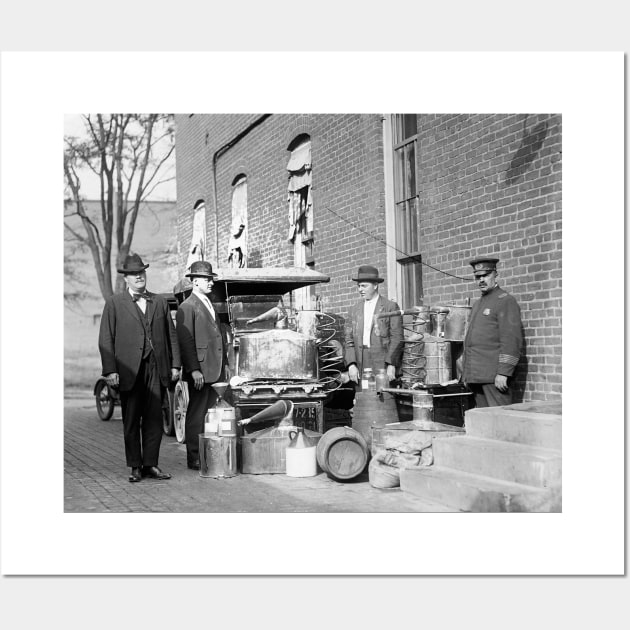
{"x":492,"y":346}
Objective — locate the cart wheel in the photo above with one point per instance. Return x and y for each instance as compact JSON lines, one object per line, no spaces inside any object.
{"x":168,"y":424}
{"x":104,"y":401}
{"x":179,"y":411}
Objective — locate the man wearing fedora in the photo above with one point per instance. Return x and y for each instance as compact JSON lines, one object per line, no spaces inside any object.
{"x":371,"y":341}
{"x":204,"y":350}
{"x":140,"y":356}
{"x":493,"y":340}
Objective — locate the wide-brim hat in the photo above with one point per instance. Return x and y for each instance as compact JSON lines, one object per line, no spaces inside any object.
{"x":133,"y":264}
{"x":368,"y":273}
{"x":483,"y":265}
{"x":201,"y":269}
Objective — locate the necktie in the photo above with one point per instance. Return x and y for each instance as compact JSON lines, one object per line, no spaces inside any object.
{"x":136,"y":296}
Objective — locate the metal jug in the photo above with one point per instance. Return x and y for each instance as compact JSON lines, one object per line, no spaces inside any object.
{"x":301,"y":454}
{"x":299,"y":439}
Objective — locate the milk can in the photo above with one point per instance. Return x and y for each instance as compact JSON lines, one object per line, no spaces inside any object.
{"x":217,"y":455}
{"x":301,"y":455}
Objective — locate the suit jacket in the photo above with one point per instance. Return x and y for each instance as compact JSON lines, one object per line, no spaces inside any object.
{"x":201,"y":340}
{"x":386,"y":334}
{"x":121,"y":339}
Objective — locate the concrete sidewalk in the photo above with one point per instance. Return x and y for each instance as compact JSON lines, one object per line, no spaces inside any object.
{"x":95,"y":479}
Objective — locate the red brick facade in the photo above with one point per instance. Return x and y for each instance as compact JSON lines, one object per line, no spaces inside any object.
{"x":487,"y":184}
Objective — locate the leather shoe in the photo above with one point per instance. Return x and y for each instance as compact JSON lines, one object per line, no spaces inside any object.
{"x":154,"y":473}
{"x":135,"y":475}
{"x":194,"y":465}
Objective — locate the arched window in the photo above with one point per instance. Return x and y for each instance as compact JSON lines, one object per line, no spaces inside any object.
{"x":197,"y":249}
{"x":300,"y":201}
{"x":237,"y":245}
{"x":299,"y":189}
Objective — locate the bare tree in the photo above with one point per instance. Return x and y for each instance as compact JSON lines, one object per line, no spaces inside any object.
{"x":127,"y":153}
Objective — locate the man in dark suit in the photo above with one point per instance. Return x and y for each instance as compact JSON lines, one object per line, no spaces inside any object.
{"x":140,"y":356}
{"x":204,"y":349}
{"x":370,"y":341}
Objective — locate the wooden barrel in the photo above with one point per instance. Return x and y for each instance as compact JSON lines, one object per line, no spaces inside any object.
{"x":372,"y":410}
{"x":342,"y":453}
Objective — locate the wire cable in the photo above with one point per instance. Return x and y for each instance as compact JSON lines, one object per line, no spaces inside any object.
{"x":380,"y":240}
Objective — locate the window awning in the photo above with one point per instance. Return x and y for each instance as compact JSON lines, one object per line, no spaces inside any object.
{"x":300,"y":158}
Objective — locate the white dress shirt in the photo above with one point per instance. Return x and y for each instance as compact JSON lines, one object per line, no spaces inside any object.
{"x":206,"y":302}
{"x":368,"y":314}
{"x":141,"y":302}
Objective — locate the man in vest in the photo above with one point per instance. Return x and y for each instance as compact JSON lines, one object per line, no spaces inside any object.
{"x":492,"y":345}
{"x":204,"y":349}
{"x":371,"y":341}
{"x":140,"y":356}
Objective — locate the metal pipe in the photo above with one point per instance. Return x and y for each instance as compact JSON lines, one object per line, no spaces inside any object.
{"x":415,"y":310}
{"x":397,"y":390}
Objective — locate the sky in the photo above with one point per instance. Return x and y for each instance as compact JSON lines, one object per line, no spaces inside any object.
{"x":90,"y":185}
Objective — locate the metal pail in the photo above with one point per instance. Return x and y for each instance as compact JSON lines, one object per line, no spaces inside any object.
{"x":422,"y":407}
{"x":217,"y":455}
{"x":438,"y":361}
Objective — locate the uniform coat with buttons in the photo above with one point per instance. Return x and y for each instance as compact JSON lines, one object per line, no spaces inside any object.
{"x":386,"y":335}
{"x":493,"y":341}
{"x":203,"y":347}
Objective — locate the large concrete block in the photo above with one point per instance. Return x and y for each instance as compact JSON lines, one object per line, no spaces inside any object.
{"x":516,"y":423}
{"x":475,"y":493}
{"x":509,"y":461}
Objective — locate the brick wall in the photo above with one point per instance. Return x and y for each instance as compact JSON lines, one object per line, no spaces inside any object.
{"x":347,"y":172}
{"x":491,"y":184}
{"x":487,"y":184}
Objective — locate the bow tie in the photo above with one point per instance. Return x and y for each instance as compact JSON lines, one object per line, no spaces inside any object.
{"x":136,"y":296}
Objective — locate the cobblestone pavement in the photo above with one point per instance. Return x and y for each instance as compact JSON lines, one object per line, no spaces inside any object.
{"x":95,"y":480}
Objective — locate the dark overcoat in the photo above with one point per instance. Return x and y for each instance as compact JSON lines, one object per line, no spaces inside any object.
{"x":201,"y":340}
{"x":121,"y":339}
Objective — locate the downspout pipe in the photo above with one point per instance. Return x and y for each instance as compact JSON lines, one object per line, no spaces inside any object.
{"x":215,"y":157}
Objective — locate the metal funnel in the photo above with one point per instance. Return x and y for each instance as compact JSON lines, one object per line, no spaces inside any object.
{"x":281,"y":409}
{"x":220,"y":389}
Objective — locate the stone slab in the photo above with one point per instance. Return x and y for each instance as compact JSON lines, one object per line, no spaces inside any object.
{"x":515,"y":425}
{"x":508,"y":461}
{"x":468,"y":492}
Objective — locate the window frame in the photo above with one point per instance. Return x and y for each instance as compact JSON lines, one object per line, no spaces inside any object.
{"x":406,"y":214}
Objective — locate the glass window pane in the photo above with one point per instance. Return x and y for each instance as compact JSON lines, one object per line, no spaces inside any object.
{"x":407,"y":299}
{"x":401,"y":229}
{"x":411,"y":284}
{"x":405,"y":126}
{"x":410,"y":125}
{"x":413,"y":226}
{"x":410,"y":164}
{"x":399,"y":168}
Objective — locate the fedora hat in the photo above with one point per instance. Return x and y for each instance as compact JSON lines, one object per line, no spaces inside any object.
{"x":201,"y":269}
{"x":133,"y":264}
{"x":367,"y":273}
